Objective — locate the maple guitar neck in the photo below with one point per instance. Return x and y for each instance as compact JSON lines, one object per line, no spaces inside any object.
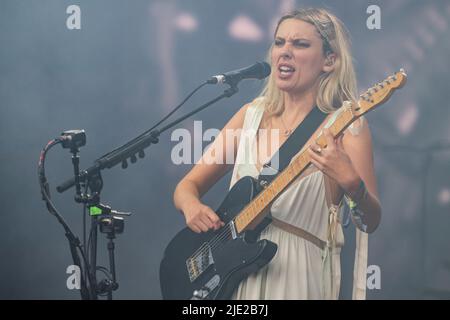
{"x":256,"y":210}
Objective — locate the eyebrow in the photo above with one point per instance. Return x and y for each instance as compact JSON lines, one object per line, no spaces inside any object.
{"x":293,"y":39}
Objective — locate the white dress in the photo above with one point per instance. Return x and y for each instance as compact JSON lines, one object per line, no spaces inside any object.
{"x":300,"y":269}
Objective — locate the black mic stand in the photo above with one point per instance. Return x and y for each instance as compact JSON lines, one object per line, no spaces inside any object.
{"x":109,"y":222}
{"x":100,"y":214}
{"x":136,"y":146}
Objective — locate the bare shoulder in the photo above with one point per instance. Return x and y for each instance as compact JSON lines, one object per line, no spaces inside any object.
{"x":214,"y":162}
{"x":237,"y":121}
{"x":239,"y":116}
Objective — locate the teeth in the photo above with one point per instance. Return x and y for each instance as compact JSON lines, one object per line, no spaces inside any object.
{"x":286,"y":69}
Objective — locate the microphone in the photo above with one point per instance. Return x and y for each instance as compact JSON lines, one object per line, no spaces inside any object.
{"x":259,"y":70}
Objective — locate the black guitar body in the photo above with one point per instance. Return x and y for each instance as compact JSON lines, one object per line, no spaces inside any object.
{"x":210,"y":265}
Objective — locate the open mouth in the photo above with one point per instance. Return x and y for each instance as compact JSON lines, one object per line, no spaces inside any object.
{"x":286,"y":70}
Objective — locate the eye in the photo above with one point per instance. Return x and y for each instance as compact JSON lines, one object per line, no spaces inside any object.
{"x":279,"y":42}
{"x":300,"y":44}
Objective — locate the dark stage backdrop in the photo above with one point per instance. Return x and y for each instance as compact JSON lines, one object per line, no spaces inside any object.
{"x":132,"y":61}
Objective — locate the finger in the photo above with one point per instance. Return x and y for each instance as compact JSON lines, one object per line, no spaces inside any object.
{"x":218,"y":225}
{"x":317,"y":161}
{"x":316,"y":148}
{"x":340,"y":142}
{"x":318,"y":165}
{"x":214,"y":218}
{"x":194,"y":228}
{"x":202,"y":226}
{"x":205,"y":220}
{"x":314,"y":155}
{"x":330,"y":138}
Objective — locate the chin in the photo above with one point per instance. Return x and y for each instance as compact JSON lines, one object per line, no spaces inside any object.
{"x":285,"y":87}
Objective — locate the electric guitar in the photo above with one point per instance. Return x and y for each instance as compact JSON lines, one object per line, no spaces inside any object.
{"x":210,"y":265}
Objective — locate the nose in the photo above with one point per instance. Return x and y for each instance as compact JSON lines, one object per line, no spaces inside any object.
{"x":286,"y":52}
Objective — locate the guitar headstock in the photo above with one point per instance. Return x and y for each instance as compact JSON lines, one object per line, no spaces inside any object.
{"x":379,"y":93}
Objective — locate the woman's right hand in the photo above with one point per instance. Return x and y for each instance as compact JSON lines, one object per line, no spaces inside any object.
{"x":212,"y":166}
{"x":201,"y":218}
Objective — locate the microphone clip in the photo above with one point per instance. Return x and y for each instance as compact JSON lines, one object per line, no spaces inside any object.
{"x":217,"y":79}
{"x":73,"y":139}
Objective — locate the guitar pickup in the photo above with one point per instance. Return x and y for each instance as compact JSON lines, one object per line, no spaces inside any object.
{"x":199,"y":262}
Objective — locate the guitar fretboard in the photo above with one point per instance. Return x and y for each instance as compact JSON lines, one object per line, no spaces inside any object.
{"x":257,"y":207}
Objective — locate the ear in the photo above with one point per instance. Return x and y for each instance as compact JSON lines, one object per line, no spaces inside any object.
{"x":330,"y":61}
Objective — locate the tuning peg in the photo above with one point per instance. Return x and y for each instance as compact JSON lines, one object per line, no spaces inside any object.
{"x":124,"y":164}
{"x":133,"y":158}
{"x":141,"y":154}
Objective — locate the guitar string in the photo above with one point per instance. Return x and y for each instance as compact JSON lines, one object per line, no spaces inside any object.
{"x":202,"y":250}
{"x":213,"y":243}
{"x":214,"y":239}
{"x":217,"y":240}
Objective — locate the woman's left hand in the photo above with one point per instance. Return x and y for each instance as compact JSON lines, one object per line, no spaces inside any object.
{"x":334,"y":162}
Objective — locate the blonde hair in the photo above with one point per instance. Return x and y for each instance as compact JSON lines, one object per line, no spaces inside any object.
{"x":334,"y":87}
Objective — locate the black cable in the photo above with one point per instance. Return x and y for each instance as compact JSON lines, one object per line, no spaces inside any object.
{"x":159,"y":122}
{"x":84,"y":225}
{"x":52,"y":209}
{"x":88,"y":247}
{"x":108,"y":276}
{"x":84,"y":229}
{"x":84,"y":218}
{"x":73,"y":240}
{"x":45,"y":191}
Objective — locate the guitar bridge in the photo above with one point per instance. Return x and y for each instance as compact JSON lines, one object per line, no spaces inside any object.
{"x":199,"y":262}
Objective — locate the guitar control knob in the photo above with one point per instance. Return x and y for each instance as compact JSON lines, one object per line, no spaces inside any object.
{"x":263,"y":183}
{"x":200,"y":294}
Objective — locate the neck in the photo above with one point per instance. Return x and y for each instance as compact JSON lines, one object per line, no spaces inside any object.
{"x":299,"y":104}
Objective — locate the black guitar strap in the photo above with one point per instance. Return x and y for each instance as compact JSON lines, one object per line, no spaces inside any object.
{"x":292,"y":146}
